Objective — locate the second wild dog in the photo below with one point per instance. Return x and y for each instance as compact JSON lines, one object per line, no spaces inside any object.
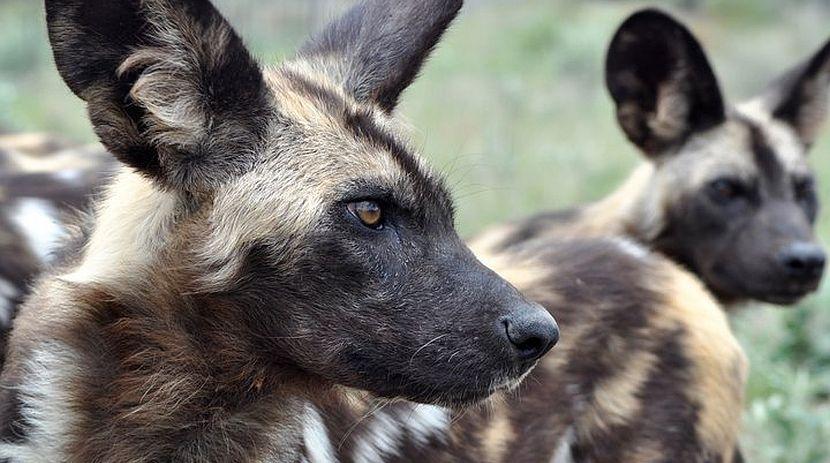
{"x":725,"y":191}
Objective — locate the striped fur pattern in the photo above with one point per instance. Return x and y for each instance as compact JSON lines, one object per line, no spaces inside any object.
{"x":725,"y":191}
{"x":269,"y":243}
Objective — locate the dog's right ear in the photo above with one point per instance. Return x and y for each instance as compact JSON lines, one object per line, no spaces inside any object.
{"x":170,"y":88}
{"x":661,"y":82}
{"x":800,"y":96}
{"x":378,"y":47}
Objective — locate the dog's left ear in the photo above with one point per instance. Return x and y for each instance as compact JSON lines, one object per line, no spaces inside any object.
{"x":800,"y":96}
{"x":170,"y":88}
{"x":661,"y":82}
{"x":378,"y":47}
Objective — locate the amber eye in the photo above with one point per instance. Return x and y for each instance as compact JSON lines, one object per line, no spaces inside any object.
{"x":368,"y":212}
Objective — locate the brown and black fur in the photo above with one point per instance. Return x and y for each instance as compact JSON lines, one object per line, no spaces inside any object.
{"x":647,"y":370}
{"x":42,"y":178}
{"x":225,"y":282}
{"x":725,"y":191}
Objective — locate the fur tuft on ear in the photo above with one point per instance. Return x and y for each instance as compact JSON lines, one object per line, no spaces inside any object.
{"x":378,"y":47}
{"x":661,"y":82}
{"x":800,"y":97}
{"x":170,"y":88}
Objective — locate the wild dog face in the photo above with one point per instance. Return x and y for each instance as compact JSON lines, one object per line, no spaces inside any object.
{"x":731,"y":193}
{"x":289,"y":195}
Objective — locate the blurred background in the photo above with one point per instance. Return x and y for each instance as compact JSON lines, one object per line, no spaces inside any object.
{"x":514,"y":111}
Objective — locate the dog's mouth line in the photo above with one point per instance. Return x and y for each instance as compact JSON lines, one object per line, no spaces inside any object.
{"x":463,"y":397}
{"x":784,"y":293}
{"x":787,"y":295}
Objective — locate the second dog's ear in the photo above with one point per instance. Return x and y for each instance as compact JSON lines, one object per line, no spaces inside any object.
{"x":378,"y":47}
{"x":170,"y":88}
{"x":800,"y":97}
{"x":661,"y":82}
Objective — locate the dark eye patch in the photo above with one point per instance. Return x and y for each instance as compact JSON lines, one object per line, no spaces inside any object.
{"x":803,"y":187}
{"x":804,"y":192}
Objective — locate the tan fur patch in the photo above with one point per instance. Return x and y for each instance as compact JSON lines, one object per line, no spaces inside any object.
{"x":522,"y":273}
{"x":781,"y":137}
{"x":44,"y":154}
{"x":669,"y":120}
{"x":34,"y":144}
{"x":721,"y":366}
{"x":615,"y":399}
{"x":498,"y":434}
{"x":132,"y":228}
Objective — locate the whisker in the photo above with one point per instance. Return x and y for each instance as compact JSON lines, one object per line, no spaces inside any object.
{"x":425,"y":346}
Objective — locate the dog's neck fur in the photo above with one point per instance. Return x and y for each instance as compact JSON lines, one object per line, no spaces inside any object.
{"x":155,"y":351}
{"x":631,"y":210}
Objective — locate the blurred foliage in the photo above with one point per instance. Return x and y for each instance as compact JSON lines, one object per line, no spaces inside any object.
{"x":514,"y":111}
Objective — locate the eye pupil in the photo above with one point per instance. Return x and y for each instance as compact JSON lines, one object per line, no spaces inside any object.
{"x":368,"y":212}
{"x":725,"y":188}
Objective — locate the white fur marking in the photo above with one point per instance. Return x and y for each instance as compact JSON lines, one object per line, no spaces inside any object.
{"x":46,"y":406}
{"x":427,"y":421}
{"x":563,"y":450}
{"x":73,"y":176}
{"x":630,"y":247}
{"x":38,"y":220}
{"x":382,"y":439}
{"x":317,"y":443}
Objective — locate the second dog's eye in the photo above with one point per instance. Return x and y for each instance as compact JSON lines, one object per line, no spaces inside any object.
{"x":804,"y":188}
{"x":369,"y":213}
{"x":727,"y":189}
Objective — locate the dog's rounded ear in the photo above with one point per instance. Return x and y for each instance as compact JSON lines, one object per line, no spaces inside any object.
{"x":170,"y":88}
{"x":800,"y":97}
{"x":661,"y":82}
{"x":378,"y":47}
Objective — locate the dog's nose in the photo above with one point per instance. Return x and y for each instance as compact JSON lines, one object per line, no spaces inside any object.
{"x":531,"y":331}
{"x":803,"y":260}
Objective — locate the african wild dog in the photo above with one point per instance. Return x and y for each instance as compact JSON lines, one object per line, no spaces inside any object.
{"x":271,"y":240}
{"x":726,"y":192}
{"x":42,"y":180}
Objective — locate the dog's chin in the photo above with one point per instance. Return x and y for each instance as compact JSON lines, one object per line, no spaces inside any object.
{"x":777,"y":293}
{"x":786,"y":296}
{"x":782,"y":298}
{"x":467,"y":397}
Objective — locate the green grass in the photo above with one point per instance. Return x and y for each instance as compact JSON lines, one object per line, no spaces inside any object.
{"x":513,"y":110}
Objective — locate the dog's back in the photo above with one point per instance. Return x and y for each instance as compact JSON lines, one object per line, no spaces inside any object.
{"x":647,"y":369}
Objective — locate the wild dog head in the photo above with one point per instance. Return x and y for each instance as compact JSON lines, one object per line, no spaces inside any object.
{"x":730,"y":192}
{"x":290,"y":196}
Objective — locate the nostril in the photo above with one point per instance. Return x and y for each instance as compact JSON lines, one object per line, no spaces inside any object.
{"x":803,"y":260}
{"x":532,"y":334}
{"x":528,"y":346}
